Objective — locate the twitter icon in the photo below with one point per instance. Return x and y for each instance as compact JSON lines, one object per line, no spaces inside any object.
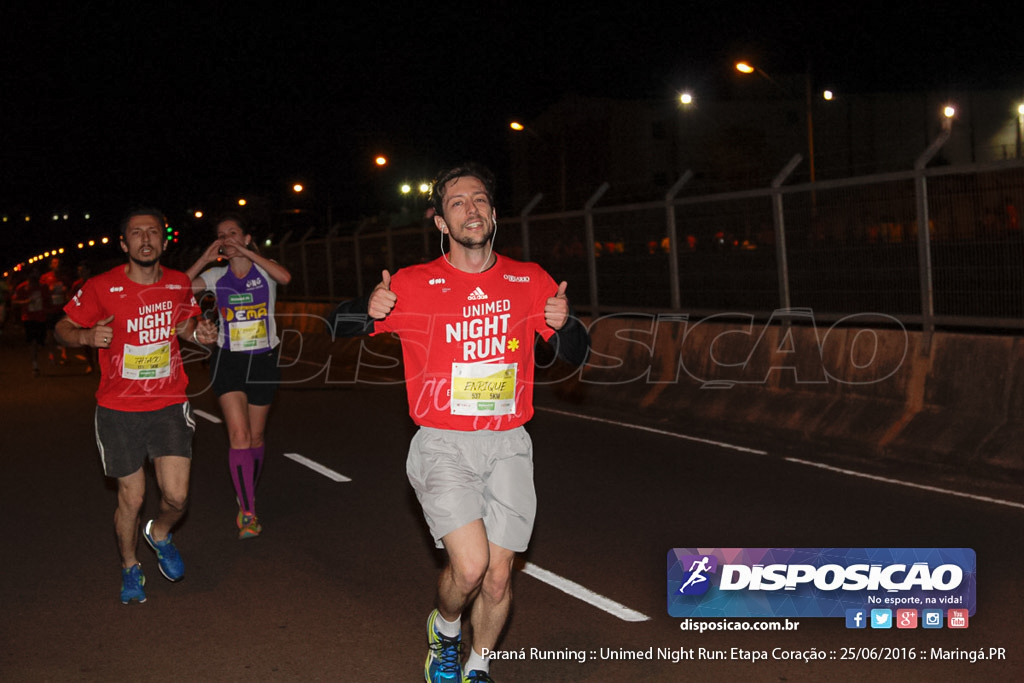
{"x":881,"y":618}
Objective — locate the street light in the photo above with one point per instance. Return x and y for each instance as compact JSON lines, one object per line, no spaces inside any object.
{"x":747,"y":68}
{"x":519,"y":127}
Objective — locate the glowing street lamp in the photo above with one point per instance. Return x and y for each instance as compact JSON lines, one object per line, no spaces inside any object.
{"x":747,"y":68}
{"x":948,"y":114}
{"x":519,"y":127}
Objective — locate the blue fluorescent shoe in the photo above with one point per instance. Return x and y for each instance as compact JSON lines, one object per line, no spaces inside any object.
{"x":132,"y":581}
{"x":168,"y":558}
{"x":477,"y":676}
{"x":444,"y":659}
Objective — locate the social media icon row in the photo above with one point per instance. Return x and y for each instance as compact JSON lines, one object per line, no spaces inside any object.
{"x":905,"y":618}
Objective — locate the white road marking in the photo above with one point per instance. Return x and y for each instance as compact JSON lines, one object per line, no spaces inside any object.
{"x":662,"y":432}
{"x":317,"y":467}
{"x":585,"y":594}
{"x":852,"y":473}
{"x":909,"y":484}
{"x":207,"y":416}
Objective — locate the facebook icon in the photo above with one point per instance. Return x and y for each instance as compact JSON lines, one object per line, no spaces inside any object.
{"x":856,"y":618}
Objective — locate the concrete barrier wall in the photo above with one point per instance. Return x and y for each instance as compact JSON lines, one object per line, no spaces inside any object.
{"x":862,"y":386}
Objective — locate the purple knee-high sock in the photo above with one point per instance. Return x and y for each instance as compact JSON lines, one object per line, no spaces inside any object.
{"x":241,"y":464}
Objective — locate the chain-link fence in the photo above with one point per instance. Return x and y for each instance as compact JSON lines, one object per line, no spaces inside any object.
{"x":835,"y":248}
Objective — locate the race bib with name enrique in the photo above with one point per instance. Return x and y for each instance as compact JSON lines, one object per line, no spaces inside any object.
{"x":483,"y":389}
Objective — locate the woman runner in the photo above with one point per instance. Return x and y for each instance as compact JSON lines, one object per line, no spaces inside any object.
{"x":244,"y":368}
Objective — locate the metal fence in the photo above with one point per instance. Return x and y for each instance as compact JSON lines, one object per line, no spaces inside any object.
{"x":931,"y":246}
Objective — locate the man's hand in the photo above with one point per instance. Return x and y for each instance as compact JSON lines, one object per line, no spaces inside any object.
{"x":556,"y":309}
{"x":382,"y":299}
{"x":100,"y":334}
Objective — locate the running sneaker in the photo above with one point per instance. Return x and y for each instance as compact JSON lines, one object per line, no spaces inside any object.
{"x":250,"y":527}
{"x":444,"y":658}
{"x":132,"y":581}
{"x":477,"y":676}
{"x":168,"y":558}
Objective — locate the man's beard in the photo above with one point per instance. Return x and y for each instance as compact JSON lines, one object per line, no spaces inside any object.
{"x":478,"y":241}
{"x":144,"y":264}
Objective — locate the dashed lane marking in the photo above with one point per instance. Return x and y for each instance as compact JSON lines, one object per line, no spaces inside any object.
{"x":585,"y":594}
{"x":317,"y":467}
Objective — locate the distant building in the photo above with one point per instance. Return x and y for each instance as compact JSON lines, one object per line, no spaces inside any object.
{"x":642,"y":147}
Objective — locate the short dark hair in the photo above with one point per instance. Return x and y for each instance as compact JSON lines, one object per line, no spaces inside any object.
{"x":470,"y":169}
{"x":143,"y":211}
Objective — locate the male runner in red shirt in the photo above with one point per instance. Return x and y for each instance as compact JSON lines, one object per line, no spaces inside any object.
{"x":134,"y":314}
{"x":468,"y":323}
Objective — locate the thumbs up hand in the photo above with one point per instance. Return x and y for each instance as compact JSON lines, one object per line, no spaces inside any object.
{"x":556,"y":309}
{"x":382,"y":299}
{"x":100,"y":334}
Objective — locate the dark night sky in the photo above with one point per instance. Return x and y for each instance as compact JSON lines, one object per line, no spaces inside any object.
{"x":113,"y":108}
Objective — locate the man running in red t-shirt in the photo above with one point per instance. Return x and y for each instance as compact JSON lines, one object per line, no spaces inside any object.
{"x":134,"y":314}
{"x":468,"y":322}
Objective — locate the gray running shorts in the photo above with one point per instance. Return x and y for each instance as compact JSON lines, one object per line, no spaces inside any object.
{"x":126,"y":439}
{"x":460,"y":477}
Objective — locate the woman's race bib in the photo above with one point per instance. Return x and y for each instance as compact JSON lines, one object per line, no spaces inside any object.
{"x":248,"y":335}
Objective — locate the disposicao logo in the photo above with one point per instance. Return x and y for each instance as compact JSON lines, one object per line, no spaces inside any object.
{"x":696,"y":580}
{"x":818,"y":582}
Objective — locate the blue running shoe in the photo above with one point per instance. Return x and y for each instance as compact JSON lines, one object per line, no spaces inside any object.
{"x":444,"y":659}
{"x":132,"y":581}
{"x":477,"y":676}
{"x":168,"y":558}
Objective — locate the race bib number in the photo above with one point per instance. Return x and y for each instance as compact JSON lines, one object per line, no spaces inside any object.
{"x":148,"y":361}
{"x":248,"y":335}
{"x":483,"y":389}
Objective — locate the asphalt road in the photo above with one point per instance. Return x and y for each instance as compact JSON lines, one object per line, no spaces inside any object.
{"x":339,"y":585}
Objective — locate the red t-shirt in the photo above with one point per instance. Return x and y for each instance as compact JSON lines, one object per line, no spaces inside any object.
{"x":142,"y":369}
{"x":467,"y":341}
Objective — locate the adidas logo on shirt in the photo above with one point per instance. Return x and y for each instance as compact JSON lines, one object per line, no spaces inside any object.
{"x":476,"y":295}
